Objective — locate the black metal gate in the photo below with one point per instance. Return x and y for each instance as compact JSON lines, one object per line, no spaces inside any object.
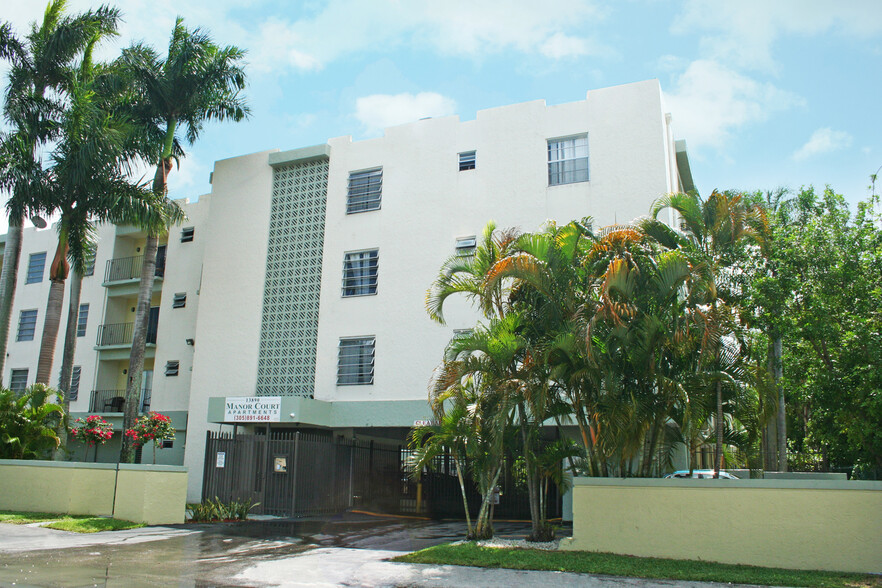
{"x":292,"y":473}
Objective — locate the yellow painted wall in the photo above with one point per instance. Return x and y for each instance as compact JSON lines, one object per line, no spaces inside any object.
{"x":153,"y":497}
{"x":144,"y":493}
{"x":813,"y":525}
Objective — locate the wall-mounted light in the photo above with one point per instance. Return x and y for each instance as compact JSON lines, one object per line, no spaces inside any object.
{"x":125,"y":372}
{"x":292,"y":415}
{"x":190,"y":342}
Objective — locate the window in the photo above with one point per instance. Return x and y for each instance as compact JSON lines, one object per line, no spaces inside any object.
{"x":466,"y":160}
{"x":75,"y":382}
{"x":18,"y":380}
{"x":27,"y":324}
{"x":355,"y":362}
{"x":466,"y":245}
{"x":90,"y":263}
{"x":365,"y":190}
{"x":187,"y":234}
{"x":167,"y":444}
{"x":568,"y":160}
{"x":172,"y":367}
{"x":36,"y":263}
{"x":360,"y":273}
{"x":82,"y":320}
{"x":179,"y":300}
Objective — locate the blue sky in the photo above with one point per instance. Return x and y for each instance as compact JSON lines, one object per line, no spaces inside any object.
{"x":766,"y":94}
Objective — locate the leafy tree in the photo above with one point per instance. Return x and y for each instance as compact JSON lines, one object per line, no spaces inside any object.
{"x":197,"y":81}
{"x":28,"y":423}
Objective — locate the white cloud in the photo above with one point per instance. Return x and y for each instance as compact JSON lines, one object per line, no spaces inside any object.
{"x":379,"y":111}
{"x":559,"y":45}
{"x":742,"y":33}
{"x":823,"y":140}
{"x":711,"y":101}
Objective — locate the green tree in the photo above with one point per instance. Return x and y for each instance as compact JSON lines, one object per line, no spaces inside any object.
{"x":39,"y":70}
{"x":197,"y":81}
{"x":713,"y":230}
{"x":28,"y":423}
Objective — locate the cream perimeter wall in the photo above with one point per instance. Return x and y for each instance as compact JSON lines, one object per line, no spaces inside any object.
{"x":145,"y":494}
{"x":812,"y":525}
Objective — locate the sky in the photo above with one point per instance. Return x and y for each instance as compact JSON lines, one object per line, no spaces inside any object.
{"x":766,"y":94}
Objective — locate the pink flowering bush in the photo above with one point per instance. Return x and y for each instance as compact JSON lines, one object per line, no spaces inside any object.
{"x":92,"y":431}
{"x":151,"y":427}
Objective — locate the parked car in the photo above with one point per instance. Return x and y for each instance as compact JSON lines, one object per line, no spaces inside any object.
{"x":701,"y":474}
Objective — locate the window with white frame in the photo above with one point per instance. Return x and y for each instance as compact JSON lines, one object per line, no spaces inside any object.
{"x":36,"y":264}
{"x":27,"y":324}
{"x":360,"y":273}
{"x":18,"y":380}
{"x":82,"y":320}
{"x":355,"y":361}
{"x":365,"y":190}
{"x":75,"y":374}
{"x":568,"y":160}
{"x":466,"y":160}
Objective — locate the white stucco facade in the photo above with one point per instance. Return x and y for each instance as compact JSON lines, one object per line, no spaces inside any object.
{"x":230,"y":271}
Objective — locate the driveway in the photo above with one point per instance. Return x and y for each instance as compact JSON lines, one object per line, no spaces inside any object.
{"x":350,"y":550}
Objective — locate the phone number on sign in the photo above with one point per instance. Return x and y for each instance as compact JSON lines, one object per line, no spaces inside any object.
{"x":243,"y":417}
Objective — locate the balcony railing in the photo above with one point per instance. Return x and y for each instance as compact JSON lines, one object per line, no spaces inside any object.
{"x":129,"y":268}
{"x":122,"y":333}
{"x":104,"y":401}
{"x":115,"y":334}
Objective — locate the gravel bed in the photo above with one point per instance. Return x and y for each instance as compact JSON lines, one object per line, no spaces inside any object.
{"x":500,"y":543}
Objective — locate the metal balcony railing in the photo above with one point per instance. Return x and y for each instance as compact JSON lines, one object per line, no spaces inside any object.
{"x":122,"y":333}
{"x":104,"y":401}
{"x":115,"y":334}
{"x":129,"y":268}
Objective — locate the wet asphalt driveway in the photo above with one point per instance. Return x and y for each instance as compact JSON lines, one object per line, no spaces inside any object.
{"x":205,"y":555}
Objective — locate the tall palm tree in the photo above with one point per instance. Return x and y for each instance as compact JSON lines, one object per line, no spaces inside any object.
{"x":40,"y":67}
{"x":712,"y":231}
{"x":197,"y":81}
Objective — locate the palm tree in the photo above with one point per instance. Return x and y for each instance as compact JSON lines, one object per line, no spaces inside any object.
{"x":28,"y":423}
{"x":712,"y":230}
{"x":197,"y":81}
{"x":40,"y":66}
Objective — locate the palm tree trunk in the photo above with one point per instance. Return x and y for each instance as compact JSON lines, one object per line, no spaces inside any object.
{"x":58,"y":272}
{"x":139,"y":344}
{"x":778,"y":374}
{"x":483,"y":527}
{"x":718,"y":461}
{"x":465,"y":500}
{"x":8,"y":280}
{"x":535,"y":513}
{"x":51,"y":325}
{"x":67,"y":356}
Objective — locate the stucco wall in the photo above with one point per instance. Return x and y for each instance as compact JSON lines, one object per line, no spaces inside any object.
{"x":814,"y":525}
{"x":146,"y":494}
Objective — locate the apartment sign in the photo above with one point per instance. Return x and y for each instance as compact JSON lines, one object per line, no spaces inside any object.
{"x":252,"y":409}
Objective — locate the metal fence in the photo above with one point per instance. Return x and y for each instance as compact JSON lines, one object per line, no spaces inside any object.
{"x":129,"y":268}
{"x":299,"y":474}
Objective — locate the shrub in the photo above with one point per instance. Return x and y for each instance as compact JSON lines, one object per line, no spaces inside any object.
{"x":214,"y":510}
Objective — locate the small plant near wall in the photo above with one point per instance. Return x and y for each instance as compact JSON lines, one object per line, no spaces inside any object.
{"x":92,"y":431}
{"x":151,"y":427}
{"x":214,"y":510}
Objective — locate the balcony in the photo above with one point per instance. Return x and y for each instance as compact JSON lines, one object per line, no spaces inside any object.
{"x":120,"y":334}
{"x":122,"y":269}
{"x":110,"y":401}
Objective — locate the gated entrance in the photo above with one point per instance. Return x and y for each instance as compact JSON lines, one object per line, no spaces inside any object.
{"x":293,"y":473}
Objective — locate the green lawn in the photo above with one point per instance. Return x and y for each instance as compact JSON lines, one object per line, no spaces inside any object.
{"x":64,"y":522}
{"x":469,"y":554}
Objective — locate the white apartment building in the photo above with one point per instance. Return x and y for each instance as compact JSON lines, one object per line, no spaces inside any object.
{"x":302,"y":276}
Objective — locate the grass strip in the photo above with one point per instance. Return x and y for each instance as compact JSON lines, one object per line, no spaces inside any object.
{"x":66,"y":522}
{"x":93,"y":525}
{"x":586,"y":562}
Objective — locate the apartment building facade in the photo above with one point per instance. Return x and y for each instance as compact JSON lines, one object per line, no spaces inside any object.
{"x":304,"y":272}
